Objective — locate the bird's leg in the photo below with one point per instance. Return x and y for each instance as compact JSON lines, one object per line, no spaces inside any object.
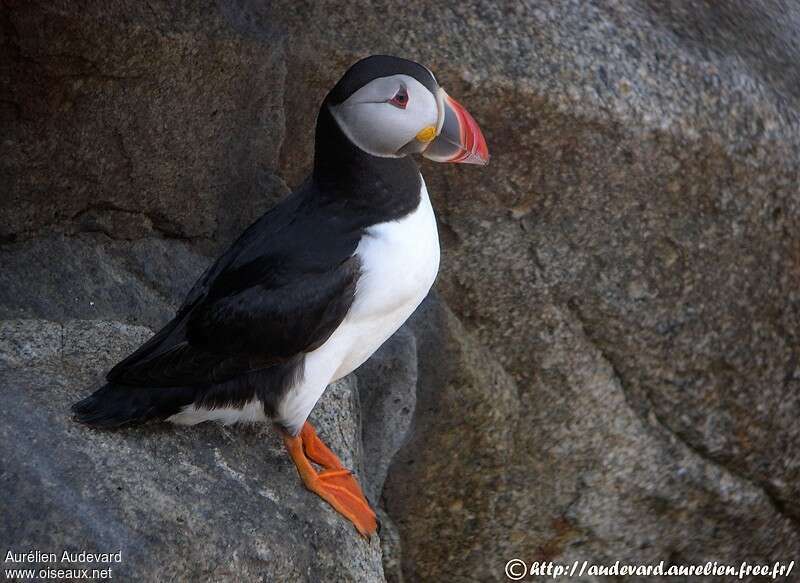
{"x":335,"y":484}
{"x":317,"y":451}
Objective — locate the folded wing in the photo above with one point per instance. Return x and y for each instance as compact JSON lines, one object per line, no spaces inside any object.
{"x":279,"y":291}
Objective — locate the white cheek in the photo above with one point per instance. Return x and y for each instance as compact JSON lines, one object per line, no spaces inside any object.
{"x":421,"y":111}
{"x":380,"y":128}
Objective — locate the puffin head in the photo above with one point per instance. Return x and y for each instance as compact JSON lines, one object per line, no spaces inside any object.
{"x":391,"y":107}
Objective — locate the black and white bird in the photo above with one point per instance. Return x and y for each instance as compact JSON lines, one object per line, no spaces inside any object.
{"x":313,"y":287}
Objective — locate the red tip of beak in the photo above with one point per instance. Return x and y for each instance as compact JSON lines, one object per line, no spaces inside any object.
{"x":475,"y":149}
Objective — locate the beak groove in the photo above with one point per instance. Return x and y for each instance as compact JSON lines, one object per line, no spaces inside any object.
{"x":460,"y":139}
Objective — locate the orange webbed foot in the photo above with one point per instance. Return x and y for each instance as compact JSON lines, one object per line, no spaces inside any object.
{"x":335,"y":484}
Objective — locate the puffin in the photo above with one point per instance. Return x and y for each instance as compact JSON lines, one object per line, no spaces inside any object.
{"x":314,"y":287}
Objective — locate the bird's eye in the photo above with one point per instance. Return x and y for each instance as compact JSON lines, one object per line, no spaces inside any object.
{"x":400,"y":99}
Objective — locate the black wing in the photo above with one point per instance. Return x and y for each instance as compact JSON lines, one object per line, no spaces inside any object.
{"x":281,"y":290}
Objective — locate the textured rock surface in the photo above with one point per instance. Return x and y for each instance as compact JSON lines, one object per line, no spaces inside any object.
{"x":135,"y":119}
{"x":387,"y":388}
{"x":644,"y":191}
{"x":571,"y":472}
{"x":92,"y":276}
{"x":194,"y":503}
{"x":624,"y":274}
{"x":449,"y":486}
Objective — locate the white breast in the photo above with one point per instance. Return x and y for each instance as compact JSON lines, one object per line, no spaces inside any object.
{"x":399,"y":262}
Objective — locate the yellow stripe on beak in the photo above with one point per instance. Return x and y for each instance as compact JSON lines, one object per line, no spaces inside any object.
{"x":427,"y":134}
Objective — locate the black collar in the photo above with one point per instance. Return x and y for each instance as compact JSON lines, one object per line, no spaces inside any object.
{"x":383,"y":189}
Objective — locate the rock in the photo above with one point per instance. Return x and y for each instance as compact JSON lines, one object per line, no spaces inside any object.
{"x":204,"y":502}
{"x":447,"y":488}
{"x":387,"y":386}
{"x":136,"y":120}
{"x":623,"y":275}
{"x":92,"y":276}
{"x":391,"y":549}
{"x":644,"y":184}
{"x":570,"y":473}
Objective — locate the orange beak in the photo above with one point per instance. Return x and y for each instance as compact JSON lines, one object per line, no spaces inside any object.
{"x":460,"y":139}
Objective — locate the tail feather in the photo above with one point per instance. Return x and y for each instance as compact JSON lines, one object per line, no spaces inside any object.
{"x":115,"y":405}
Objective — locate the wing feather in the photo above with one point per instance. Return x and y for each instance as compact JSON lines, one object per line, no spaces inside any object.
{"x":281,"y":290}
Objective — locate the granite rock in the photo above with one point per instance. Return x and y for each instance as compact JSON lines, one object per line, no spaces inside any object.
{"x":611,"y":370}
{"x":180,"y":503}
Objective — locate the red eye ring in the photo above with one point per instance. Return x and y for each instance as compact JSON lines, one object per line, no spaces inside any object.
{"x":400,"y":99}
